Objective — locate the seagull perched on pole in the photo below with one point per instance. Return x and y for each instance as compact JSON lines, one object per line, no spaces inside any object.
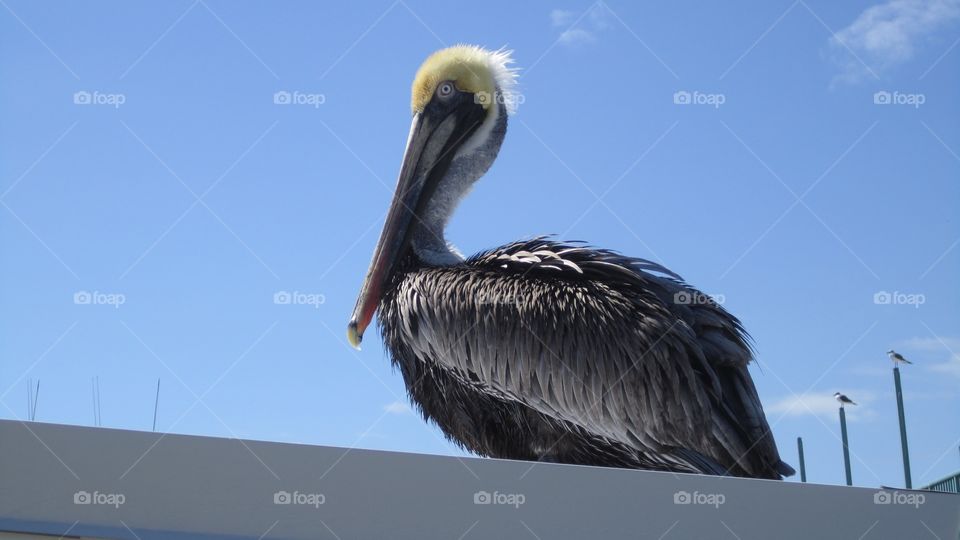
{"x":844,"y":400}
{"x":897,"y":358}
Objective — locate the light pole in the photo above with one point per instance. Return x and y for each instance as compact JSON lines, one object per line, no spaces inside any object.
{"x":803,"y":466}
{"x":846,"y":446}
{"x":903,"y":428}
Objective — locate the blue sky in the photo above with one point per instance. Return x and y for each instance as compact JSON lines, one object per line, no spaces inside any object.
{"x":156,"y":200}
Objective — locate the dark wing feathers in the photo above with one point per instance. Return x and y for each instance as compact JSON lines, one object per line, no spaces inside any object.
{"x":620,"y":347}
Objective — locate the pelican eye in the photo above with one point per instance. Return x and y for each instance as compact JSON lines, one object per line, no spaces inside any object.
{"x":445,"y":89}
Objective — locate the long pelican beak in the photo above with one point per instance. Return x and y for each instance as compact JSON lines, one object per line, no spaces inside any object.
{"x":435,"y":135}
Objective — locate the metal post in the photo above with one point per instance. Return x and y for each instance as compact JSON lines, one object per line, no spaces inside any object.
{"x":903,"y":429}
{"x":803,"y":466}
{"x":846,"y":446}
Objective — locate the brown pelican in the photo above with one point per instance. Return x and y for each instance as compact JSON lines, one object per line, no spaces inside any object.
{"x":540,"y":349}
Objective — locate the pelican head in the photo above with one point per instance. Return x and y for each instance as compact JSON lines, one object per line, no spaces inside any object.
{"x":460,"y":100}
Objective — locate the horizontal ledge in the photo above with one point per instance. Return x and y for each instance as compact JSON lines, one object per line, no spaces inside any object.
{"x":128,"y":484}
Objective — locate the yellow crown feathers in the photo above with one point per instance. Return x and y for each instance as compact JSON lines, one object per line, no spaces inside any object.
{"x":472,"y":69}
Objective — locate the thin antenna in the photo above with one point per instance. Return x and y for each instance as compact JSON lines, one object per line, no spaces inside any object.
{"x":99,"y":407}
{"x":156,"y":405}
{"x":93,"y":396}
{"x":36,"y":396}
{"x":30,"y":402}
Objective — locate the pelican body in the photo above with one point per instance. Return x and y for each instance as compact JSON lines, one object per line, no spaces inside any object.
{"x":540,"y":349}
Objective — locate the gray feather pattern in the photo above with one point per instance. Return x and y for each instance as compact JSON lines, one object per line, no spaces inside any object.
{"x":557,"y":337}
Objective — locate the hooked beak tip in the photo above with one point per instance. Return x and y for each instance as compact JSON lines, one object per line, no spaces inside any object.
{"x":353,"y":336}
